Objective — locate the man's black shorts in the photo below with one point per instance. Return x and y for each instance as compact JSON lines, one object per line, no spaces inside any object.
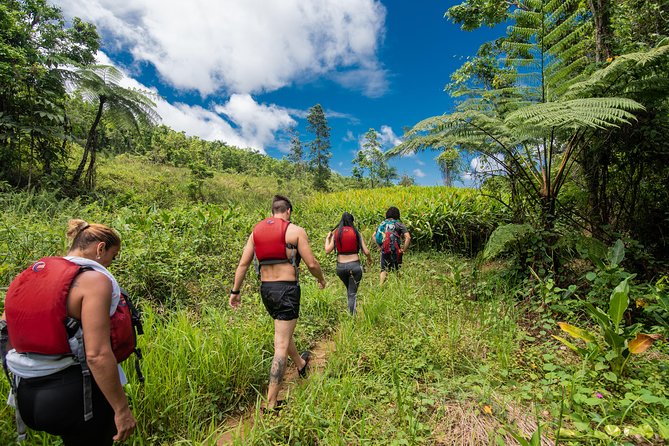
{"x":390,"y":262}
{"x":281,"y":299}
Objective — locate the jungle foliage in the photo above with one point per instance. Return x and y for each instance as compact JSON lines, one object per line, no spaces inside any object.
{"x":569,"y":111}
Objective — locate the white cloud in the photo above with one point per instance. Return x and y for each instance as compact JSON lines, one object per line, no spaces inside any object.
{"x":246,"y":46}
{"x":419,"y":173}
{"x":257,"y":123}
{"x":388,"y":138}
{"x":248,"y":124}
{"x":486,"y":166}
{"x":349,"y":136}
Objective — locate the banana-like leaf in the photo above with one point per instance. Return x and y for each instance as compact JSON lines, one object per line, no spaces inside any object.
{"x":642,"y":342}
{"x":617,"y":253}
{"x":599,"y":316}
{"x":615,"y":341}
{"x":619,"y":302}
{"x":576,"y":332}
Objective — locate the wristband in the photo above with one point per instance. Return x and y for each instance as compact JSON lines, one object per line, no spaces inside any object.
{"x":234,"y":292}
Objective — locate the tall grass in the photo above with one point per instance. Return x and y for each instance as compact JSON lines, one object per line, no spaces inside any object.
{"x":438,"y":217}
{"x":395,"y":362}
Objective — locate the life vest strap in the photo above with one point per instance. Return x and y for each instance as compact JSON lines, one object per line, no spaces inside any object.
{"x":294,"y":260}
{"x":85,"y":371}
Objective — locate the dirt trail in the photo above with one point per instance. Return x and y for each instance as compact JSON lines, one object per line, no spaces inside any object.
{"x":242,"y":424}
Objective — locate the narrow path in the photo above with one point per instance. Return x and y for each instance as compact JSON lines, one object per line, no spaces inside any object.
{"x":240,"y":425}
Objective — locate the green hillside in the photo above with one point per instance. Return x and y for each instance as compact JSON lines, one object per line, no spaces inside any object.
{"x":454,"y":350}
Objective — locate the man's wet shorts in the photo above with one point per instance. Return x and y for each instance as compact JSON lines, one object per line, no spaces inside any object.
{"x":281,"y":299}
{"x":390,"y":262}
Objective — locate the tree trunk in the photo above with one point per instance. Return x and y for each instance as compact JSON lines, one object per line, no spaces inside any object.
{"x":90,"y":141}
{"x":89,"y":180}
{"x":601,"y":14}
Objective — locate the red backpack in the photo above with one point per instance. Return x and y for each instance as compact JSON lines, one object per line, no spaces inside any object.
{"x":388,"y":238}
{"x":349,"y":242}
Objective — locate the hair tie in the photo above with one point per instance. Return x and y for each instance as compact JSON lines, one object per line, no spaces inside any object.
{"x":84,"y":227}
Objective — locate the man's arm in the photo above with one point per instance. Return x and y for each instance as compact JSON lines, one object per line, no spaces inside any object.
{"x":244,"y":263}
{"x":407,"y":241}
{"x":308,"y":256}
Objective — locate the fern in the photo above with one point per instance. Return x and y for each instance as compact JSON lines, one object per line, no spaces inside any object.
{"x":504,"y":237}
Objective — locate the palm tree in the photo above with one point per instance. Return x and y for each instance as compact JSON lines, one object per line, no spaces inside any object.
{"x":126,"y":107}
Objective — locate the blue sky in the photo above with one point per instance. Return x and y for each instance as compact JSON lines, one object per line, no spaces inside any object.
{"x":245,"y":71}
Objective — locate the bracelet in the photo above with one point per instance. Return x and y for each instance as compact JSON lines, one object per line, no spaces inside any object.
{"x":234,"y":292}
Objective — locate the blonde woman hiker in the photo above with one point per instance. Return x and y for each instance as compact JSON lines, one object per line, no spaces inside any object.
{"x":61,"y":386}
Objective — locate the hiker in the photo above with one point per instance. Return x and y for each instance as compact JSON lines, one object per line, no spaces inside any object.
{"x":347,"y":242}
{"x":49,"y":309}
{"x":389,"y":237}
{"x":279,"y":246}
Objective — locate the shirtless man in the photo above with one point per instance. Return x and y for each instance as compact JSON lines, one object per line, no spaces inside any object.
{"x":279,"y":246}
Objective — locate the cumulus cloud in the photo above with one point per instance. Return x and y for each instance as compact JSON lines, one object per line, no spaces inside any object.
{"x":246,"y":46}
{"x":419,"y":173}
{"x":388,"y":137}
{"x":240,"y":121}
{"x":257,"y":123}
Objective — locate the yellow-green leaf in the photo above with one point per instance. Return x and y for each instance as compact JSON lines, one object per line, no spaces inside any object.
{"x":568,"y":433}
{"x":567,"y":343}
{"x":576,"y":332}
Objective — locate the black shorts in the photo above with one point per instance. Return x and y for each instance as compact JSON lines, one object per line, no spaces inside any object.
{"x":390,"y":262}
{"x":55,"y":404}
{"x":281,"y":299}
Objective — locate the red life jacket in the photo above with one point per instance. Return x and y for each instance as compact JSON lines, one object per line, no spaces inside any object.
{"x":349,"y":241}
{"x":269,"y":239}
{"x":36,"y":312}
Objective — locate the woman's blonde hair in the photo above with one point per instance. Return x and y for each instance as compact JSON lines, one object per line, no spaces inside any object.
{"x":81,"y":234}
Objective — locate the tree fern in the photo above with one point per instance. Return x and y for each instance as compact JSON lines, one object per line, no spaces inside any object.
{"x":530,"y":127}
{"x":125,"y":107}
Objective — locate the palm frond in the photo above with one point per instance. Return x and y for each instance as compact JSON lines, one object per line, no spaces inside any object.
{"x":576,"y":114}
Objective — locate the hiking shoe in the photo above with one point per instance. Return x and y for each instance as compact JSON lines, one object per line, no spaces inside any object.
{"x":303,"y":371}
{"x":273,"y":410}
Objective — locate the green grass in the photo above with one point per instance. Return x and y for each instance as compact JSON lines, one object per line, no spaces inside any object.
{"x":445,"y":333}
{"x":393,"y":363}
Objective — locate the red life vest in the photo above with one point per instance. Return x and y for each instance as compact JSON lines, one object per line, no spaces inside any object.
{"x":269,"y":239}
{"x":349,"y":241}
{"x":35,"y":309}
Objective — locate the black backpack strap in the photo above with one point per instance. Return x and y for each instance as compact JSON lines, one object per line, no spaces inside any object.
{"x":139,"y":330}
